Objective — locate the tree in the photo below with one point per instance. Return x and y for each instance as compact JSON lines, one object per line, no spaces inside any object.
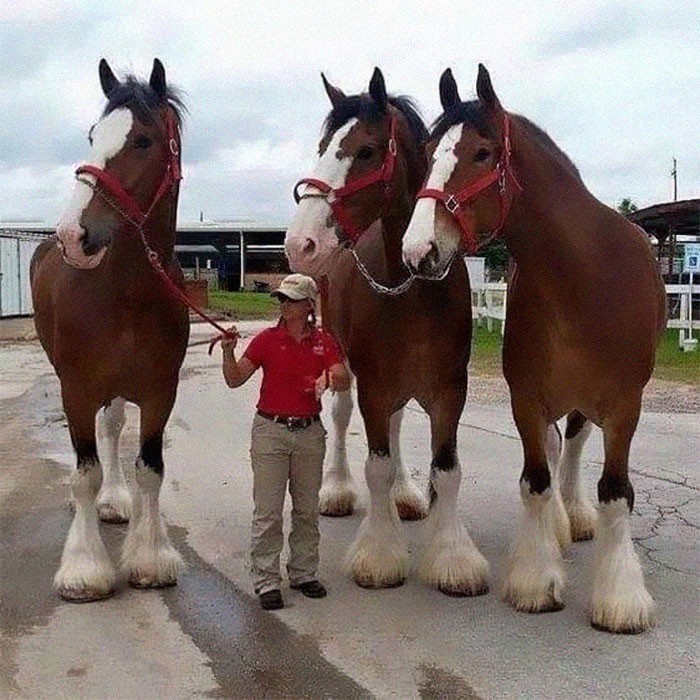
{"x":627,"y":206}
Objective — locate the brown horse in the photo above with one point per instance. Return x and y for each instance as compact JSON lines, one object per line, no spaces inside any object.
{"x":578,"y":334}
{"x":414,"y":345}
{"x":111,"y":329}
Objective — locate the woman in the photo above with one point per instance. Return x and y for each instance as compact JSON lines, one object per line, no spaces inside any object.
{"x":288,"y":442}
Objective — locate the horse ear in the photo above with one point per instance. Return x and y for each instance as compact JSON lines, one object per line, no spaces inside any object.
{"x":157,"y":79}
{"x":485,"y":91}
{"x":335,"y":95}
{"x":108,"y":80}
{"x":449,"y":94}
{"x":377,"y":90}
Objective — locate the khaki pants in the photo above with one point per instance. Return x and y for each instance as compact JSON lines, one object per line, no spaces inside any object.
{"x":279,"y":456}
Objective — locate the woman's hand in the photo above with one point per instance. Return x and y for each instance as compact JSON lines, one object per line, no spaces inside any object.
{"x":229,"y":342}
{"x":321,"y":385}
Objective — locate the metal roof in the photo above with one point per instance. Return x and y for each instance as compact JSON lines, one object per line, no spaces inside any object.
{"x":671,"y":218}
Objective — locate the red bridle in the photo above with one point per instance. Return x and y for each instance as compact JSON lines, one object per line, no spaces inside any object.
{"x":111,"y":190}
{"x":453,"y":201}
{"x":336,"y":197}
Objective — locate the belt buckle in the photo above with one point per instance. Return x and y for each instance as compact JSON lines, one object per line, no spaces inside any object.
{"x":293,"y":424}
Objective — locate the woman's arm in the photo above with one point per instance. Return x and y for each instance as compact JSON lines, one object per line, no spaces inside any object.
{"x":235,"y":372}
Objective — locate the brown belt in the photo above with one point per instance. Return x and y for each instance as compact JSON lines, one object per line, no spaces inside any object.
{"x":292,"y":423}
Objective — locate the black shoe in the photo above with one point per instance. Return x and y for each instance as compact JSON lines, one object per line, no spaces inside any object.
{"x":311,"y":589}
{"x":272,"y":600}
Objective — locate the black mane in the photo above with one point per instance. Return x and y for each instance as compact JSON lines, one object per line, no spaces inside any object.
{"x":365,"y":108}
{"x":472,"y":114}
{"x":143,"y":99}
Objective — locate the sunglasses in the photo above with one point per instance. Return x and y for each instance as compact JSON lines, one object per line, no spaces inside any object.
{"x":282,"y":298}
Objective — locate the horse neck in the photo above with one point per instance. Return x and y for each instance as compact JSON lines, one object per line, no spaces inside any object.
{"x":543,"y":227}
{"x":128,"y":253}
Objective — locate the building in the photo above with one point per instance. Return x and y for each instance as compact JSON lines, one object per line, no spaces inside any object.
{"x":672,"y":224}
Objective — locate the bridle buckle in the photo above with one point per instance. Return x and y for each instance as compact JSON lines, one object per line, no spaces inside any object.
{"x":451,"y":204}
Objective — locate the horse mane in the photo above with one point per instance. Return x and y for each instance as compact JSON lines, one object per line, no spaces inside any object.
{"x":143,"y":99}
{"x":472,"y":113}
{"x":364,"y":107}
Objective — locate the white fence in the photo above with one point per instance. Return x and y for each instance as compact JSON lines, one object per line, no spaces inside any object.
{"x":489,"y":305}
{"x":16,"y":250}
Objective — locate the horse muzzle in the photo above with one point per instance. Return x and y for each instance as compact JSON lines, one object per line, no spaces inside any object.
{"x":80,"y":253}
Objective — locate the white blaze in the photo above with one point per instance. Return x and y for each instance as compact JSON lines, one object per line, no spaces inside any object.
{"x":421,"y":230}
{"x":310,"y":223}
{"x":108,"y":138}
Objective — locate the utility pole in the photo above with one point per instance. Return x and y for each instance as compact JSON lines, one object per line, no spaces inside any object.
{"x":674,"y":174}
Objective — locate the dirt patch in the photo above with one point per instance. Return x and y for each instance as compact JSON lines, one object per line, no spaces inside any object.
{"x":17,"y":329}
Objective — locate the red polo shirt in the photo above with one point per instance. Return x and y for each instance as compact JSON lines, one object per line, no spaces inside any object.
{"x":291,"y":368}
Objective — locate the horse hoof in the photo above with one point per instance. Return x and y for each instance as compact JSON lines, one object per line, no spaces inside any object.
{"x":144,"y":583}
{"x":464,"y":592}
{"x":622,"y":630}
{"x":107,"y":514}
{"x":409,"y":512}
{"x":548,"y":607}
{"x":337,"y":512}
{"x":378,"y":585}
{"x":582,"y":536}
{"x":84,"y":595}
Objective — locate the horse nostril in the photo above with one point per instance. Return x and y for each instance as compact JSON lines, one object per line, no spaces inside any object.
{"x":309,"y":247}
{"x":90,"y":247}
{"x":431,"y":258}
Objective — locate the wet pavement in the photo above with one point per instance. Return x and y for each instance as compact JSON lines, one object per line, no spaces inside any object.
{"x":207,"y":637}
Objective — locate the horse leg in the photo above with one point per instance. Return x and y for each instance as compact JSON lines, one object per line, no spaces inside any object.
{"x":410,"y":502}
{"x":148,"y":558}
{"x":114,"y":498}
{"x":620,"y":601}
{"x":450,"y":560}
{"x":337,"y":497}
{"x":560,"y":518}
{"x":535,"y":578}
{"x":86,"y":572}
{"x":378,"y":558}
{"x":582,"y":514}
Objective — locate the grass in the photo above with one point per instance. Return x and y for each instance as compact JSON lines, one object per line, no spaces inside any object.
{"x":244,"y":306}
{"x":672,"y":364}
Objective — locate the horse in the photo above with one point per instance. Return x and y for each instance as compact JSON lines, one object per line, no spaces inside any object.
{"x":414,"y":345}
{"x":113,"y":331}
{"x":578,"y":336}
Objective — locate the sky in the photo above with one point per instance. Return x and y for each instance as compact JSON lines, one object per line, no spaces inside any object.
{"x":616,"y":83}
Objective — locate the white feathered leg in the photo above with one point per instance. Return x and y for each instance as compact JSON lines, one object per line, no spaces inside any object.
{"x":450,"y":560}
{"x":620,"y":601}
{"x":560,"y":520}
{"x":86,"y":572}
{"x":582,"y":512}
{"x":535,"y":579}
{"x":148,"y":558}
{"x":378,"y":558}
{"x":410,"y":502}
{"x":114,"y":498}
{"x":338,"y":496}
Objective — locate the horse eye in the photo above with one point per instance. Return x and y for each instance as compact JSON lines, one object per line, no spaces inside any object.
{"x":142,"y":142}
{"x":365,"y":152}
{"x":481,"y":155}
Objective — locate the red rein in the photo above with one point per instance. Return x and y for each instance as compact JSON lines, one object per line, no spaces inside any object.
{"x":453,"y":201}
{"x":129,"y":209}
{"x":336,"y":197}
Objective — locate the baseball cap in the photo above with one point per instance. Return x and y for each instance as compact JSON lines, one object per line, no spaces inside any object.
{"x":297,"y":287}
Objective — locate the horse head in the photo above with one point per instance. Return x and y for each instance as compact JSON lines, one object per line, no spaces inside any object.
{"x":470,"y":183}
{"x":134,"y":159}
{"x":370,"y":165}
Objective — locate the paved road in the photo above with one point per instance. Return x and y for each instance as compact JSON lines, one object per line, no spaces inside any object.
{"x":208,"y":638}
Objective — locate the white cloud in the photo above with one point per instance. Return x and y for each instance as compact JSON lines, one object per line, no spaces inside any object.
{"x":612,"y":81}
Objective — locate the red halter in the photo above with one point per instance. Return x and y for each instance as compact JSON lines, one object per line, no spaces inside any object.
{"x":335,"y":197}
{"x":453,"y":201}
{"x":123,"y":202}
